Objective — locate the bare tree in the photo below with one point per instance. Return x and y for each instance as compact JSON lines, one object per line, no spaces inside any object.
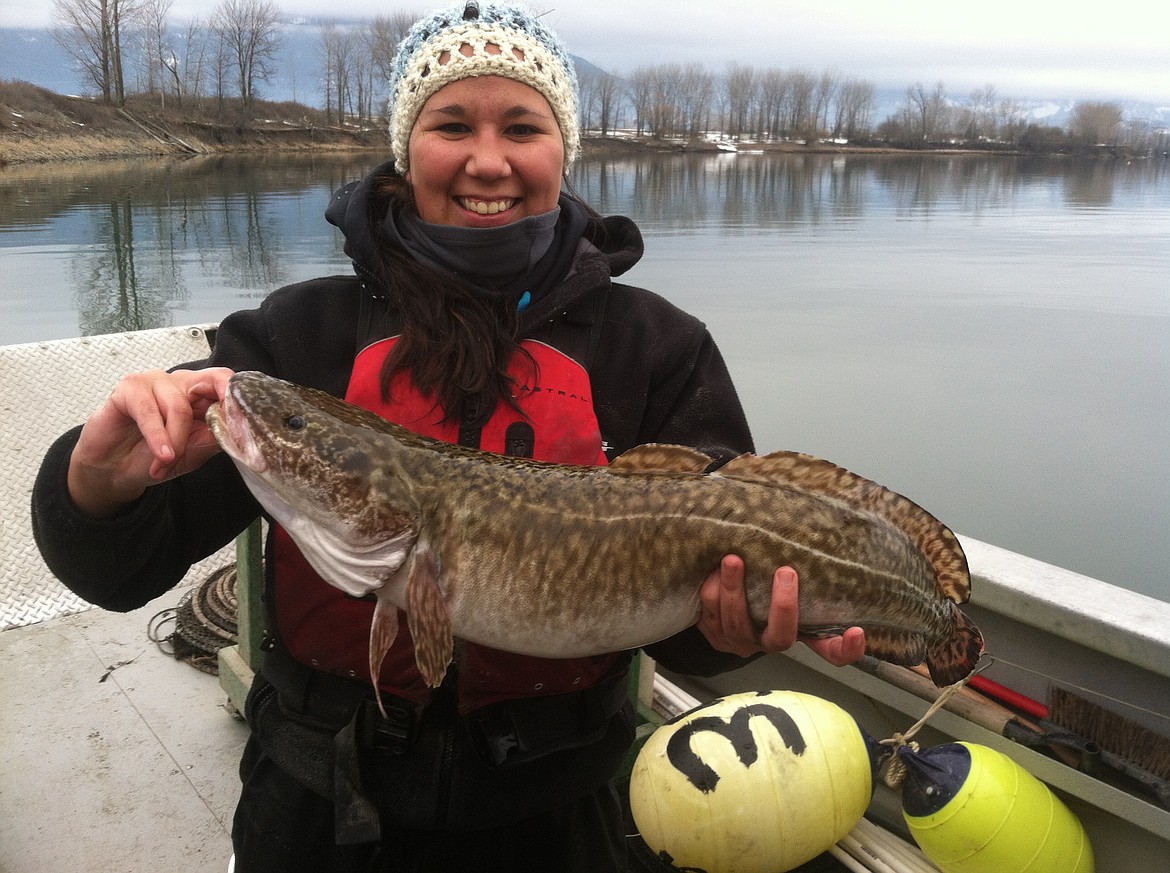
{"x":641,"y":87}
{"x":189,"y":61}
{"x":798,"y":105}
{"x":823,"y":96}
{"x":609,"y":101}
{"x":338,"y":48}
{"x":979,"y":119}
{"x":248,"y":29}
{"x":855,"y":99}
{"x":928,"y":108}
{"x":386,"y":32}
{"x":91,"y":31}
{"x":1094,"y":123}
{"x":157,"y":56}
{"x":1010,"y":120}
{"x":695,"y":89}
{"x":742,"y":88}
{"x":601,"y":96}
{"x":664,"y":103}
{"x":774,"y":87}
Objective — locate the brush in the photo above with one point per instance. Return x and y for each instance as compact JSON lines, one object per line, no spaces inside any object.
{"x":1115,"y":741}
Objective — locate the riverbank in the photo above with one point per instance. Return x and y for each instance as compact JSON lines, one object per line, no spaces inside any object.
{"x":40,"y":125}
{"x":37,"y":125}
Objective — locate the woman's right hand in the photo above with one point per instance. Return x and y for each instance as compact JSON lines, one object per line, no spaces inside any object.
{"x":149,"y":429}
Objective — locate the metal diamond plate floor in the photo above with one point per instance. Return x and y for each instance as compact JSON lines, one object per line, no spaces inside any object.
{"x":46,"y":388}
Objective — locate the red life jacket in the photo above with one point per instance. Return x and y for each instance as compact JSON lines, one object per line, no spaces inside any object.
{"x":323,"y":627}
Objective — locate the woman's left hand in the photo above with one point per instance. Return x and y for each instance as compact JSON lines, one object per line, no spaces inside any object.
{"x":725,"y":622}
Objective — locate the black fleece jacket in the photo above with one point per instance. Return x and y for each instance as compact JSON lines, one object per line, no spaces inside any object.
{"x":656,"y":374}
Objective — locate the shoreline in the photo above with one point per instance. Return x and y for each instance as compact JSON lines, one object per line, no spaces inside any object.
{"x":219,"y":140}
{"x":41,"y":126}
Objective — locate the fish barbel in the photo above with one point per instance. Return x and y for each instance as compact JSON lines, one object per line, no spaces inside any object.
{"x":564,"y":561}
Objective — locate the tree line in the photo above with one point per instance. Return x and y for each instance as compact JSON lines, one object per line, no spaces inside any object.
{"x":132,"y":46}
{"x":689,"y":101}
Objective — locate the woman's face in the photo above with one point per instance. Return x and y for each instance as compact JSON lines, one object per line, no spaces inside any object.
{"x":484,"y":152}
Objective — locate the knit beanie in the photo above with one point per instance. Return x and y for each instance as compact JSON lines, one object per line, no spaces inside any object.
{"x":480,"y":39}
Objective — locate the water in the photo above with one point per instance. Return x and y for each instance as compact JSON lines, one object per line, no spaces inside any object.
{"x":991,"y":337}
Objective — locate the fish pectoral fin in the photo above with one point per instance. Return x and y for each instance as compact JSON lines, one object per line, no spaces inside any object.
{"x":660,"y":458}
{"x":383,"y":633}
{"x":428,"y":617}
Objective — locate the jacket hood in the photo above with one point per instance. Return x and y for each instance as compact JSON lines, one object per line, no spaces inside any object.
{"x":612,"y":245}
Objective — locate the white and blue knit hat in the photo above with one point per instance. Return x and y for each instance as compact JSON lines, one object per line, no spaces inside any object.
{"x":480,"y":39}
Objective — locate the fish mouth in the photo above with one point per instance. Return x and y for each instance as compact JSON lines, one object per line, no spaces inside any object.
{"x":229,"y":425}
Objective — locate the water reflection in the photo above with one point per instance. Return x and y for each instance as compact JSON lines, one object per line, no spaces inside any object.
{"x":144,"y":238}
{"x":138,"y":234}
{"x":764,"y":192}
{"x":107,"y":276}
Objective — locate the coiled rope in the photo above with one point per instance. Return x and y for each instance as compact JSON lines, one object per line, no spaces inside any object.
{"x":204,"y":619}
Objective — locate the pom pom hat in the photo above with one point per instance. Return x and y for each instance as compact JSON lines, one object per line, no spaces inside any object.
{"x":480,"y":39}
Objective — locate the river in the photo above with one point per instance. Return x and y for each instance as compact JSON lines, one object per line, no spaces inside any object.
{"x":989,"y":336}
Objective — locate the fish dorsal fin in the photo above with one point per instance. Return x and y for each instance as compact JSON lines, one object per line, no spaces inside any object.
{"x":660,"y":458}
{"x":817,"y":476}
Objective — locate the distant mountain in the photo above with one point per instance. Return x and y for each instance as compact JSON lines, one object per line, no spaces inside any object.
{"x":34,"y":56}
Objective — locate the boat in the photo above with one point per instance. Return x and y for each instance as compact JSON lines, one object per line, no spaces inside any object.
{"x":135,"y":753}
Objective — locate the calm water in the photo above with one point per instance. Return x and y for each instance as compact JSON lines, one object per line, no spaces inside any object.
{"x":991,"y":337}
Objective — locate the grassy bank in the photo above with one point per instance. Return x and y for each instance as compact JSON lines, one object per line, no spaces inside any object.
{"x":40,"y":125}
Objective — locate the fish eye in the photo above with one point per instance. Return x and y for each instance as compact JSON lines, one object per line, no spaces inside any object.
{"x":296,"y":422}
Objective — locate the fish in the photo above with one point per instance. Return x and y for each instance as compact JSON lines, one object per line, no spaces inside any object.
{"x":562,"y":561}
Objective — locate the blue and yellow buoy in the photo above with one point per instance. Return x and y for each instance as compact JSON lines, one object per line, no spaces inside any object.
{"x":759,"y":782}
{"x":974,"y":810}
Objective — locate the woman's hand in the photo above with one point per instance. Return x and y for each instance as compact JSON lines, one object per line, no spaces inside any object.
{"x":725,"y":622}
{"x":149,"y":429}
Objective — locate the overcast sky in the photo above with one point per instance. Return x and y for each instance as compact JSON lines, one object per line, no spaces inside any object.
{"x":1025,"y":48}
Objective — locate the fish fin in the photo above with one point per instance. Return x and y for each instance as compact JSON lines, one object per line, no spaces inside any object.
{"x":812,"y":475}
{"x":383,"y":633}
{"x":660,"y":458}
{"x":895,"y":646}
{"x":427,"y":615}
{"x":955,"y":657}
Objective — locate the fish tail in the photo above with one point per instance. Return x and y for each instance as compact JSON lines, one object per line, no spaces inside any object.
{"x":955,"y":657}
{"x":383,"y":632}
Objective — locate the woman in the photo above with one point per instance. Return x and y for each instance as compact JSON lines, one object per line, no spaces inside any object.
{"x":482,"y":311}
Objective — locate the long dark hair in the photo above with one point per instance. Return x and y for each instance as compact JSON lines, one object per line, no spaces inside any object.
{"x":455,"y":344}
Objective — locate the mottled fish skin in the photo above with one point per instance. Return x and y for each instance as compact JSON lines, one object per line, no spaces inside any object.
{"x":563,"y":561}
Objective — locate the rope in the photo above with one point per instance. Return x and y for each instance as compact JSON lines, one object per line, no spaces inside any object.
{"x":896,"y":768}
{"x":204,"y":620}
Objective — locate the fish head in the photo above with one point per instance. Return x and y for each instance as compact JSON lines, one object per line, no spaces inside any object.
{"x":324,"y":470}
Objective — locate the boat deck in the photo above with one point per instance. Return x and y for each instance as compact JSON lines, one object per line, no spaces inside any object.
{"x":113,"y":755}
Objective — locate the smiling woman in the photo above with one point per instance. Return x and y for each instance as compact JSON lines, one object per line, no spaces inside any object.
{"x":483,"y":310}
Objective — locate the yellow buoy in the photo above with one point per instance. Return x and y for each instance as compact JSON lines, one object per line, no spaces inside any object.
{"x":974,"y":810}
{"x":752,"y":783}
